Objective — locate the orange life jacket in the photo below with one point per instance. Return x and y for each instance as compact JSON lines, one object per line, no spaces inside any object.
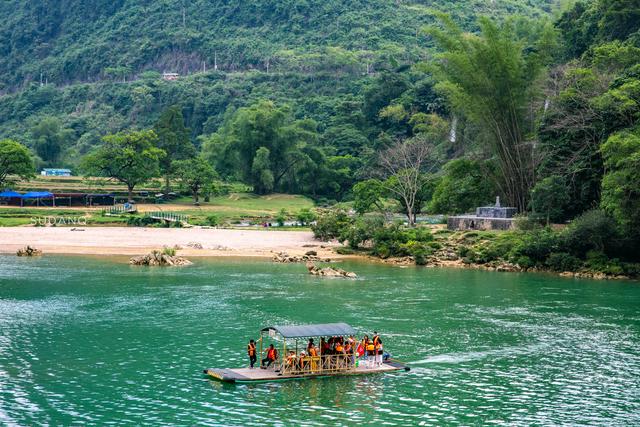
{"x":312,"y":351}
{"x":376,"y":341}
{"x":251,"y":349}
{"x":271,"y":354}
{"x":339,"y":348}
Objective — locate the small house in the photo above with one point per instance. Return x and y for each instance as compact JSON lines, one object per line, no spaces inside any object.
{"x":170,"y":76}
{"x":55,"y":172}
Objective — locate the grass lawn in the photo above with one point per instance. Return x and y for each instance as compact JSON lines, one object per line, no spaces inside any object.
{"x":228,"y":209}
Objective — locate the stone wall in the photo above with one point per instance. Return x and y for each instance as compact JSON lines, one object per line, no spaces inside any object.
{"x":496,"y":212}
{"x":479,"y":223}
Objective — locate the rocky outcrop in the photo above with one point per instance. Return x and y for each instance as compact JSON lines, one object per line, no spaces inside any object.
{"x":329,"y":271}
{"x":310,"y":256}
{"x":157,"y":258}
{"x":29,"y":251}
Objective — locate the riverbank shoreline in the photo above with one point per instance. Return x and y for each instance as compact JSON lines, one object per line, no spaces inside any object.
{"x":230,"y":243}
{"x":191,"y":242}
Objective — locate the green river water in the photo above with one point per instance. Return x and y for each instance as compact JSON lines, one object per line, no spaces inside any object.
{"x":92,"y":342}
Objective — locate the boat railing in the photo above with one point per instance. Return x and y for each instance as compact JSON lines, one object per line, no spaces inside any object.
{"x":310,"y":365}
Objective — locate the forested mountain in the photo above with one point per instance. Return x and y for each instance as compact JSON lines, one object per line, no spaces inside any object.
{"x":74,"y":71}
{"x":88,"y":40}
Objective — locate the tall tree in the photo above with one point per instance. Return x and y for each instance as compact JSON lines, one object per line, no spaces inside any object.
{"x":621,"y":182}
{"x":194,"y":174}
{"x":262,"y":176}
{"x":50,"y":139}
{"x":402,"y":168}
{"x":173,"y":139}
{"x":491,"y":79}
{"x":15,"y":159}
{"x":130,"y":158}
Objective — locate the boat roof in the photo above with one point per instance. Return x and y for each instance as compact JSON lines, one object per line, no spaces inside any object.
{"x":322,"y":329}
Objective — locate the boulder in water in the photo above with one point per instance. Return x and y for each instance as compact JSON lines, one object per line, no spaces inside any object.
{"x":158,"y":258}
{"x":330,"y":271}
{"x":29,"y":251}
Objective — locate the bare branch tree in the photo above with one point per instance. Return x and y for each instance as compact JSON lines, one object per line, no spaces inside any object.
{"x":402,"y":167}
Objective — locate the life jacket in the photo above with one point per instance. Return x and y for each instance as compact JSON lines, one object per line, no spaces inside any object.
{"x":251,"y":349}
{"x":376,"y":341}
{"x":339,"y":348}
{"x":271,"y":354}
{"x":312,"y":351}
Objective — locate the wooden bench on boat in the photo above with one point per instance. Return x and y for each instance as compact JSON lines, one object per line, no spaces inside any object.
{"x":322,"y":365}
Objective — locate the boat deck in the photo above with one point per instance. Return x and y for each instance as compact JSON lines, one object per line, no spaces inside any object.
{"x":247,"y":375}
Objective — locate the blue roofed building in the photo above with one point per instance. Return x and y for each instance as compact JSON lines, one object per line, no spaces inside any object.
{"x":55,"y":172}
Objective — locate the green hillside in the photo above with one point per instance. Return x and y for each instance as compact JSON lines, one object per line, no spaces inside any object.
{"x":73,"y":71}
{"x":89,"y":40}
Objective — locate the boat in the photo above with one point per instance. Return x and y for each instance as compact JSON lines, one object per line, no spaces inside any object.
{"x":296,"y":366}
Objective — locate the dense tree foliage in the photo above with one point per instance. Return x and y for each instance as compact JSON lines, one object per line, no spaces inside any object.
{"x":130,"y":158}
{"x":319,"y":97}
{"x":15,"y":160}
{"x":173,"y":139}
{"x":194,"y":174}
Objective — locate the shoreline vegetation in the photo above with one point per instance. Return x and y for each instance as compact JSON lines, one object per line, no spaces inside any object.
{"x":486,"y":250}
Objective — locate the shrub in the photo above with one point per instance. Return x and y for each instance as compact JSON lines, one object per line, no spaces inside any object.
{"x":330,"y":224}
{"x":281,"y":217}
{"x":524,"y":262}
{"x":563,"y":261}
{"x":169,"y":251}
{"x":360,"y":231}
{"x":305,"y":216}
{"x":213,"y":220}
{"x":536,"y":245}
{"x":391,"y":240}
{"x":592,"y":230}
{"x":140,"y":221}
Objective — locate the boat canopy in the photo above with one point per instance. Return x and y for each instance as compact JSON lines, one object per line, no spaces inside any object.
{"x":323,"y":329}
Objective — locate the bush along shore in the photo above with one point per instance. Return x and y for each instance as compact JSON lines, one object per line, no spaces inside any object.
{"x":592,"y":246}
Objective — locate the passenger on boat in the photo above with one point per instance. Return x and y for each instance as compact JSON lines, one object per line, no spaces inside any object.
{"x":351,"y":342}
{"x":348,"y":351}
{"x":303,"y":362}
{"x":311,"y":349}
{"x":291,"y":360}
{"x":272,"y":356}
{"x":377,"y":345}
{"x":368,"y":348}
{"x":324,"y":346}
{"x":251,"y":352}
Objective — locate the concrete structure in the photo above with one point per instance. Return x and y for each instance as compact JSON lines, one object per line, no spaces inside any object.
{"x":486,"y":218}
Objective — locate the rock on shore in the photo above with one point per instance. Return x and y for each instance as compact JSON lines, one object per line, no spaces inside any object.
{"x":28,"y":251}
{"x":329,"y":271}
{"x":157,"y":258}
{"x":284,"y":257}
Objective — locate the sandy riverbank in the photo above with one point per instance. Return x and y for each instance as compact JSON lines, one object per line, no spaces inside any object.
{"x":138,"y":241}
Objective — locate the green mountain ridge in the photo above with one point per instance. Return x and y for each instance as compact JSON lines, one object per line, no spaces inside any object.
{"x":73,"y":40}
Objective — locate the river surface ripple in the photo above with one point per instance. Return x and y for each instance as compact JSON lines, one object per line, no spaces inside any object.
{"x":91,"y":342}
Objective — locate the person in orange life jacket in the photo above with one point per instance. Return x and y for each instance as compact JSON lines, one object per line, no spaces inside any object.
{"x":272,"y":356}
{"x":311,"y":349}
{"x":377,"y":345}
{"x":251,"y":352}
{"x":368,"y":347}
